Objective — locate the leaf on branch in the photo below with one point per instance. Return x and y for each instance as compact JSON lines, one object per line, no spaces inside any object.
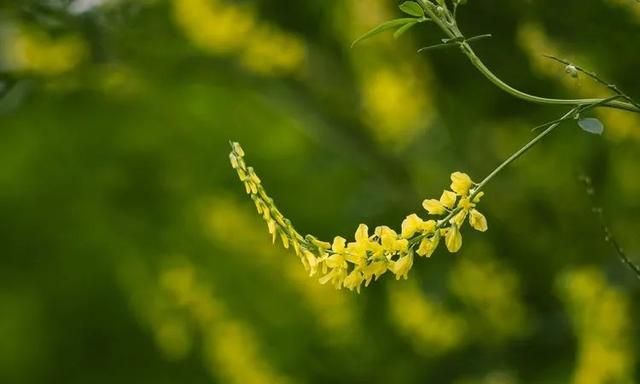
{"x":591,"y":125}
{"x":400,"y":31}
{"x":436,"y":46}
{"x":412,"y":8}
{"x":385,"y":27}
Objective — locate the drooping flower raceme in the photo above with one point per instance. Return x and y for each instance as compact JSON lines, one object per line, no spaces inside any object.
{"x":371,"y":255}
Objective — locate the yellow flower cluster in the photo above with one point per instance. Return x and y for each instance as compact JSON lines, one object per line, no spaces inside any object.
{"x":227,"y":28}
{"x":32,"y":50}
{"x":350,"y":264}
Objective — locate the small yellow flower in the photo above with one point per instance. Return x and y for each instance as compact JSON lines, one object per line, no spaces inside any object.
{"x":412,"y":224}
{"x":234,"y":160}
{"x":453,"y":239}
{"x":388,"y":238}
{"x":336,"y":261}
{"x":377,"y":269}
{"x":465,"y":204}
{"x":459,"y":217}
{"x":310,"y":262}
{"x":461,"y":183}
{"x":448,"y":199}
{"x":390,"y":241}
{"x":339,"y":244}
{"x":356,"y":253}
{"x":429,"y":226}
{"x":237,"y":149}
{"x":323,"y":245}
{"x":478,"y":197}
{"x":385,"y":233}
{"x":429,"y":245}
{"x":285,"y":240}
{"x":478,"y":221}
{"x":402,"y":267}
{"x":336,"y":277}
{"x":354,"y":280}
{"x":362,"y":234}
{"x":401,"y":245}
{"x":433,"y":206}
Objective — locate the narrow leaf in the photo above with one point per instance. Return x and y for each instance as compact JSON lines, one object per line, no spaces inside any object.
{"x":384,"y":27}
{"x":591,"y":125}
{"x":436,"y":46}
{"x":403,"y":29}
{"x":412,"y":8}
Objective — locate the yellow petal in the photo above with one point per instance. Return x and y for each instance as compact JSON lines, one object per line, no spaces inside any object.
{"x":354,"y":280}
{"x":234,"y":160}
{"x":465,"y":204}
{"x":339,"y":244}
{"x":478,"y":197}
{"x":429,"y":226}
{"x":453,"y":239}
{"x":387,"y":236}
{"x":376,"y":269}
{"x":356,"y":258}
{"x":402,"y":267}
{"x":285,"y":240}
{"x":336,"y":261}
{"x":478,"y":221}
{"x":362,"y":233}
{"x":433,"y":206}
{"x":320,"y":244}
{"x":458,"y":219}
{"x":237,"y":149}
{"x":383,"y":230}
{"x":448,"y":199}
{"x":401,"y":245}
{"x":310,"y":262}
{"x":428,"y":246}
{"x":411,"y":225}
{"x":461,"y":183}
{"x":325,"y":279}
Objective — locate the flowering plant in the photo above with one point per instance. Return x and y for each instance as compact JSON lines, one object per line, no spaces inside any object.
{"x":370,"y":255}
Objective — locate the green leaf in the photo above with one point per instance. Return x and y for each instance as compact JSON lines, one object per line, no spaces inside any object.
{"x":384,"y":27}
{"x":436,"y":46}
{"x":400,"y":31}
{"x":412,"y":8}
{"x":591,"y":125}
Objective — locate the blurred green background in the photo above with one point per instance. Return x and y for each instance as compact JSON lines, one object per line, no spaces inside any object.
{"x":130,"y":254}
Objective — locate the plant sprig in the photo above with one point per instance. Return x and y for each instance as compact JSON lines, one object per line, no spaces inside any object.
{"x":438,"y":12}
{"x":351,"y":264}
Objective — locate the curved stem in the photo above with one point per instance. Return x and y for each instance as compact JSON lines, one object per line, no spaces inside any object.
{"x":523,"y":150}
{"x":515,"y":156}
{"x":475,"y":60}
{"x":452,"y":31}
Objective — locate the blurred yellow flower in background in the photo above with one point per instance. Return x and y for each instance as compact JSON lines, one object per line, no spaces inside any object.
{"x":396,"y":98}
{"x":227,"y":28}
{"x":179,"y":306}
{"x":601,"y":319}
{"x":424,"y":321}
{"x":32,"y":50}
{"x":491,"y":294}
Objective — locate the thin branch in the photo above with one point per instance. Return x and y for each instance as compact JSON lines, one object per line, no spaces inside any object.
{"x":608,"y":236}
{"x":450,"y":28}
{"x":594,"y":76}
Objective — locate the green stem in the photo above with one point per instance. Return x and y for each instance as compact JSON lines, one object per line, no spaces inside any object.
{"x":522,"y":151}
{"x":443,"y":222}
{"x":573,"y":112}
{"x":453,"y":32}
{"x":475,"y":60}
